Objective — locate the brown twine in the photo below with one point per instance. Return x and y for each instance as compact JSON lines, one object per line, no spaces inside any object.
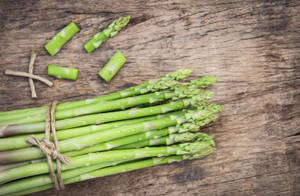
{"x":30,"y":70}
{"x":51,"y":150}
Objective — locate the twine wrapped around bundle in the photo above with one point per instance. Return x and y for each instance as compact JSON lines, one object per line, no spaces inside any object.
{"x":51,"y":149}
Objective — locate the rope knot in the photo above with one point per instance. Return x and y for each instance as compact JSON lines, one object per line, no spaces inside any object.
{"x":51,"y":149}
{"x":48,"y":148}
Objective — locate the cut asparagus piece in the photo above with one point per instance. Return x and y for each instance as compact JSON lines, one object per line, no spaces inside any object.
{"x":55,"y":44}
{"x":112,"y":66}
{"x":63,"y":72}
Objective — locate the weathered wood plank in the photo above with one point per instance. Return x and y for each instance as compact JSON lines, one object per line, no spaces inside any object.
{"x":251,"y":46}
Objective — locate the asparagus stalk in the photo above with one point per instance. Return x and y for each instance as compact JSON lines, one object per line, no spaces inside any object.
{"x":39,"y":182}
{"x":9,"y":130}
{"x":130,"y":139}
{"x":183,"y":121}
{"x":166,"y":140}
{"x":118,"y":142}
{"x":6,"y":167}
{"x":99,"y":173}
{"x":109,"y":31}
{"x":17,"y":142}
{"x":115,"y":155}
{"x":19,"y":115}
{"x":18,"y":111}
{"x":151,"y":86}
{"x":78,"y":143}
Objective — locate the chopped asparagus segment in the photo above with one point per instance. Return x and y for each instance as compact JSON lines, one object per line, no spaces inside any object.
{"x":55,"y":44}
{"x":63,"y":72}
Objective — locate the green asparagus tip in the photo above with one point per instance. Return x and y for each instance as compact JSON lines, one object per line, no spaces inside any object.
{"x":189,"y":126}
{"x":206,"y":138}
{"x":207,"y":120}
{"x":214,"y":108}
{"x":185,"y":137}
{"x":200,"y":155}
{"x":198,"y":148}
{"x":180,"y":74}
{"x":204,"y":82}
{"x":117,"y":25}
{"x":203,"y":112}
{"x":122,"y":22}
{"x":183,"y":91}
{"x":199,"y":99}
{"x":165,"y":82}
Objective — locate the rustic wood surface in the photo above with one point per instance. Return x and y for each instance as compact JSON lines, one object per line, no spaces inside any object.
{"x":252,"y":46}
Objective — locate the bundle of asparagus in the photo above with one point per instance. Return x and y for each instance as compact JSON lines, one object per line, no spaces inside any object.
{"x":150,"y":124}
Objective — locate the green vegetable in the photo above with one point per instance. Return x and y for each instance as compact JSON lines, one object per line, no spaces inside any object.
{"x":16,"y":142}
{"x":130,"y":140}
{"x":166,"y":140}
{"x":109,"y":31}
{"x":166,"y":82}
{"x":63,"y":72}
{"x":55,"y":44}
{"x":116,"y":155}
{"x":102,"y":138}
{"x":112,"y":66}
{"x":78,"y":143}
{"x":45,"y":179}
{"x":19,"y":187}
{"x":105,"y":117}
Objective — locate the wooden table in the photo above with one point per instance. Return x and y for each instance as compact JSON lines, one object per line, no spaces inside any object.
{"x":252,"y":46}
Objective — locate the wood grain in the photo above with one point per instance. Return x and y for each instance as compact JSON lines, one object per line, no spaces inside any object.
{"x":252,"y":46}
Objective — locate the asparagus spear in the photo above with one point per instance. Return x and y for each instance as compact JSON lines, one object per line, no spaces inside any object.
{"x":39,"y":182}
{"x":13,"y":112}
{"x":78,"y":143}
{"x":9,"y":130}
{"x":109,"y":31}
{"x":115,"y":155}
{"x":12,"y":115}
{"x":151,"y":86}
{"x":100,"y":173}
{"x":17,"y":142}
{"x":166,"y":140}
{"x":180,"y":91}
{"x":130,"y":139}
{"x":6,"y":167}
{"x":130,"y":102}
